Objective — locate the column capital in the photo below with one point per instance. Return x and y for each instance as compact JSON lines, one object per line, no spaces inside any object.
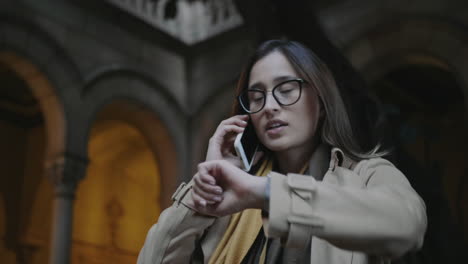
{"x":65,"y":172}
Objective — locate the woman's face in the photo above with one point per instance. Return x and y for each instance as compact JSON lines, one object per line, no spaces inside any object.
{"x":283,"y":128}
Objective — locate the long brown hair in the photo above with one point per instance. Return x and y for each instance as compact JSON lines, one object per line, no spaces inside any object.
{"x":336,"y":129}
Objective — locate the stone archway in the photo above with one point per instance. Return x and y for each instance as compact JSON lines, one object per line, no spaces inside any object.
{"x":158,"y":138}
{"x":146,"y":113}
{"x":50,"y":105}
{"x":36,"y":131}
{"x":397,"y":43}
{"x":140,"y":102}
{"x":418,"y":69}
{"x":130,"y":178}
{"x":53,"y":79}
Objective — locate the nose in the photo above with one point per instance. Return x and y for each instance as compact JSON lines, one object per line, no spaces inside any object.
{"x":270,"y":103}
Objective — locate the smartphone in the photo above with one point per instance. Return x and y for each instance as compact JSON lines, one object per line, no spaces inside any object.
{"x":246,"y":146}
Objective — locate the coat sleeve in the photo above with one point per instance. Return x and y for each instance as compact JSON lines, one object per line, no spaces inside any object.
{"x":384,"y":216}
{"x":173,"y":238}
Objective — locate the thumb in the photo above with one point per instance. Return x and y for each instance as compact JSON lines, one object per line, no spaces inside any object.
{"x":206,"y":169}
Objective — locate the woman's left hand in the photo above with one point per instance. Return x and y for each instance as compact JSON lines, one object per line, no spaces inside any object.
{"x":240,"y":190}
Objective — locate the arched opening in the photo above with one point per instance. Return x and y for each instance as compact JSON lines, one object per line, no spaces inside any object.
{"x":425,"y":106}
{"x":124,"y":189}
{"x":25,"y":191}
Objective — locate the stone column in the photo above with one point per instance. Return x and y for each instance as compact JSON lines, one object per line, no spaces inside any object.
{"x":65,"y":173}
{"x":26,"y":251}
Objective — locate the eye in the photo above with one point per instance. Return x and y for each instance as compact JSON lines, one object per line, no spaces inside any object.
{"x":256,"y":100}
{"x":255,"y":96}
{"x":285,"y":91}
{"x":288,"y":88}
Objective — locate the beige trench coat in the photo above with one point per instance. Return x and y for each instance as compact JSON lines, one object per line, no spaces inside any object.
{"x":358,"y":213}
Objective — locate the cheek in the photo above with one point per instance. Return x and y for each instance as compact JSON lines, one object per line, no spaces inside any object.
{"x":310,"y":116}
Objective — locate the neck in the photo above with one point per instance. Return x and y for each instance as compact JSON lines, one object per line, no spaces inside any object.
{"x":293,"y":160}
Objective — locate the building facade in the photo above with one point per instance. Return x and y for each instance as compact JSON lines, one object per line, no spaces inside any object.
{"x":106,"y":106}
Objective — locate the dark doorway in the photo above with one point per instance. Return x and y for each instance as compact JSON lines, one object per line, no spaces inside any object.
{"x":428,"y":131}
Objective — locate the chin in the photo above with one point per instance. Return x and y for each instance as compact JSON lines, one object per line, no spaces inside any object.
{"x":276,"y":146}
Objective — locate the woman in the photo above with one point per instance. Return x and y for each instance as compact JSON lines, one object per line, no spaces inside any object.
{"x":323,"y":200}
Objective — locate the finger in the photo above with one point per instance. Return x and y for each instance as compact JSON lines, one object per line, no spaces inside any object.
{"x":220,"y":133}
{"x":237,"y":119}
{"x":231,"y":129}
{"x":231,"y":136}
{"x":213,"y":168}
{"x":208,"y":197}
{"x":198,"y":201}
{"x":243,"y":117}
{"x":210,"y":188}
{"x":206,"y":182}
{"x":197,"y":180}
{"x":205,"y":177}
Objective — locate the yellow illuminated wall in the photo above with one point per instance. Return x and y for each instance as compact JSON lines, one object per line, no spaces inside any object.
{"x":118,"y":200}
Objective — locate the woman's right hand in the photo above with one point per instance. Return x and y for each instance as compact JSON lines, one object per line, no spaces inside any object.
{"x":221,"y":189}
{"x":221,"y":144}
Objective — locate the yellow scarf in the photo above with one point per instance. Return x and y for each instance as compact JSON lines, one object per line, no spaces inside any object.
{"x":241,"y":232}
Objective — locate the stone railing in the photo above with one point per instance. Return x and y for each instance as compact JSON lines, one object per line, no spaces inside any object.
{"x":190,"y":21}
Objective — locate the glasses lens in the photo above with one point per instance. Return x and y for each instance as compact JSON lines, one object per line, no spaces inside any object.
{"x":252,"y":100}
{"x":288,"y":93}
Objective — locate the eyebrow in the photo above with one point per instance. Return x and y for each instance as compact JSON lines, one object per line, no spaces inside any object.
{"x":276,"y":80}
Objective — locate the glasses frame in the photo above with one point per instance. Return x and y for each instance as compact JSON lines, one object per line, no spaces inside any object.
{"x":298,"y":80}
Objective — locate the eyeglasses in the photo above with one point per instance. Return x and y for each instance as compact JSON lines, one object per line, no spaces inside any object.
{"x":285,"y":93}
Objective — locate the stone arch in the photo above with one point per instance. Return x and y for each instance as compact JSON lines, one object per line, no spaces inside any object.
{"x":49,"y":103}
{"x":53,"y":78}
{"x":139,"y":102}
{"x":429,"y":43}
{"x":413,"y":41}
{"x":120,"y":197}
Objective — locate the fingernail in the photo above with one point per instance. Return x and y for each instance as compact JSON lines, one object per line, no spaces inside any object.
{"x":203,"y":203}
{"x":219,"y":190}
{"x":218,"y":198}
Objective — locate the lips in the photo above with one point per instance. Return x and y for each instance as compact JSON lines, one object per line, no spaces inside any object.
{"x":275,"y":125}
